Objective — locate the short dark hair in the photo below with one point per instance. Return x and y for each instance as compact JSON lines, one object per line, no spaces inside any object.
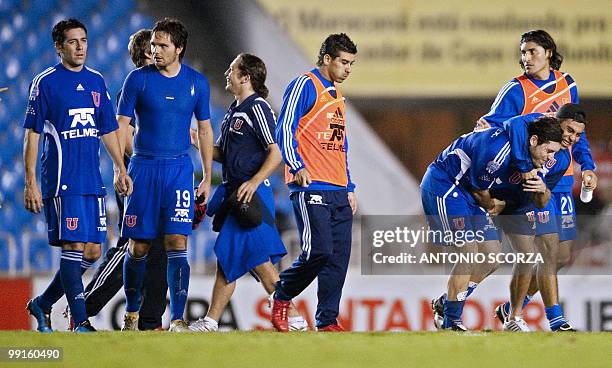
{"x":547,"y":129}
{"x":139,"y":45}
{"x":177,"y":32}
{"x":334,"y":44}
{"x":59,"y":29}
{"x":573,"y":112}
{"x":545,"y":40}
{"x":255,"y":68}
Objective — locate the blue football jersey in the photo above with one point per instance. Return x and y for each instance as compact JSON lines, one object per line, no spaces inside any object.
{"x":246,"y":132}
{"x":164,"y":107}
{"x":72,"y":109}
{"x":477,"y":160}
{"x":517,"y":129}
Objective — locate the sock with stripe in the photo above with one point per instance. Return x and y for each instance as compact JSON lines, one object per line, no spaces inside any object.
{"x":555,"y":316}
{"x":452,"y":312}
{"x":133,"y":278}
{"x":506,"y":306}
{"x":70,"y":274}
{"x":178,"y":282}
{"x":55,"y":290}
{"x":471,"y":287}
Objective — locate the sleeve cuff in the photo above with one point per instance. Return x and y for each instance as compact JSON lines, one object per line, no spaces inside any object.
{"x":295,"y":171}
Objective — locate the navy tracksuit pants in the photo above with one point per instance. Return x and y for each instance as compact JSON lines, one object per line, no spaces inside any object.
{"x":324,"y":220}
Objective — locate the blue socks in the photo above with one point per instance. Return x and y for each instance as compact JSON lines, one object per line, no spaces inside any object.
{"x":178,"y":282}
{"x":452,"y":312}
{"x":70,"y":276}
{"x":471,"y":287}
{"x":506,"y":306}
{"x":555,"y":316}
{"x":133,"y":278}
{"x":55,"y":290}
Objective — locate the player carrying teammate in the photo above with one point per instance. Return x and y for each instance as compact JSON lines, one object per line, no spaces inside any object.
{"x":456,"y":197}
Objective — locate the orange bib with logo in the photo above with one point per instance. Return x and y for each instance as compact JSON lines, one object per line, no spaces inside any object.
{"x":320,"y":137}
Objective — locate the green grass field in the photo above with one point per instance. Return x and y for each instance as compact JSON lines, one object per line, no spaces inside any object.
{"x":314,"y":350}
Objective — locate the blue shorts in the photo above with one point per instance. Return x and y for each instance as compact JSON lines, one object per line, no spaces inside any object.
{"x":456,"y":213}
{"x":546,"y":221}
{"x":162,"y":201}
{"x":520,"y":221}
{"x":75,"y":219}
{"x":565,"y":213}
{"x":238,"y":249}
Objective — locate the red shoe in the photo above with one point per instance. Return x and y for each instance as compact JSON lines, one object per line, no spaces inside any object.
{"x":280,"y":312}
{"x":331,"y":328}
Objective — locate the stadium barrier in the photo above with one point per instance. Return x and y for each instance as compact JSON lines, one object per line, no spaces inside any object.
{"x":369,"y":303}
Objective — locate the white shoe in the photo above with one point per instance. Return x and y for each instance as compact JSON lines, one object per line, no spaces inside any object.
{"x":204,"y":324}
{"x":516,"y":325}
{"x":178,"y":325}
{"x":297,"y":324}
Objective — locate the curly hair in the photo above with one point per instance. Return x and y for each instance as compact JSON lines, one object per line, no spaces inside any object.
{"x":547,"y":129}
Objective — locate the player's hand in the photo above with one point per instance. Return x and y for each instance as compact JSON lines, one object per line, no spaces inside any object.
{"x":32,"y":199}
{"x":352,"y":198}
{"x":482,"y":124}
{"x":302,"y":178}
{"x":534,"y":185}
{"x":247,"y":189}
{"x":203,"y":190}
{"x":589,"y":179}
{"x":530,"y":175}
{"x":498,"y":207}
{"x":123,"y":184}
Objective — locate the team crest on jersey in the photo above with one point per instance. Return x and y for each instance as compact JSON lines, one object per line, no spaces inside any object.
{"x":550,"y":163}
{"x":492,"y":166}
{"x":96,"y":98}
{"x":459,"y":223}
{"x":515,"y":178}
{"x":130,"y":220}
{"x":238,"y":124}
{"x":72,"y":223}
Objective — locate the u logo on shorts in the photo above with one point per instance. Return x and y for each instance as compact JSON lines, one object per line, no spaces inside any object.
{"x":72,"y":223}
{"x":130,"y":220}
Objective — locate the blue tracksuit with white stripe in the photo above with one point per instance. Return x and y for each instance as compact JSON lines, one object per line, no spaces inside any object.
{"x":475,"y":161}
{"x":323,"y":213}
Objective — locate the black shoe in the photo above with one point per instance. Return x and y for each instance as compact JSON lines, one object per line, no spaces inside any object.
{"x":437,"y":307}
{"x":566,"y":327}
{"x":459,"y":327}
{"x":501,"y":314}
{"x":84,"y":326}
